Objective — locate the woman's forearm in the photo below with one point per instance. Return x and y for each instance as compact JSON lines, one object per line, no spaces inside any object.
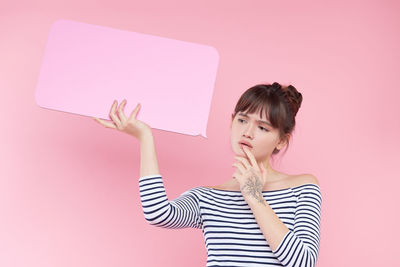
{"x":148,"y":156}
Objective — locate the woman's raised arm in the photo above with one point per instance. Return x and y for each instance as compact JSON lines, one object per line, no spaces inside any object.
{"x":179,"y":213}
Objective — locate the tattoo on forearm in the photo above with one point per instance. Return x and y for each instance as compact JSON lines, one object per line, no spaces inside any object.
{"x":253,"y":188}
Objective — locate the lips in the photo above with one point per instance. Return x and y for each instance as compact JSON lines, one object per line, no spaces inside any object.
{"x":245,"y":143}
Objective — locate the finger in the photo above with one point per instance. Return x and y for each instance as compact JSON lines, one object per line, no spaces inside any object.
{"x":251,"y":157}
{"x":244,"y":161}
{"x":105,"y":123}
{"x":135,"y":111}
{"x":240,"y":167}
{"x":121,"y":112}
{"x":113,"y":116}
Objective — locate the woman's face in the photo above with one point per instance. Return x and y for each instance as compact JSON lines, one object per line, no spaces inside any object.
{"x":258,"y":132}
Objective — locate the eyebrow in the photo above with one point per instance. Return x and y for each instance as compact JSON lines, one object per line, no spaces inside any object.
{"x":247,"y":116}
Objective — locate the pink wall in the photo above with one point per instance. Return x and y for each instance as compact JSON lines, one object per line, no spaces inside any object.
{"x":69,"y":187}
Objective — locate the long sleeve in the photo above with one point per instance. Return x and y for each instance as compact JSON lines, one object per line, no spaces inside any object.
{"x":300,"y":247}
{"x":182,"y":212}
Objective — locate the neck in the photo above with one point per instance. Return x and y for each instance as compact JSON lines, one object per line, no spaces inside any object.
{"x":271,"y":173}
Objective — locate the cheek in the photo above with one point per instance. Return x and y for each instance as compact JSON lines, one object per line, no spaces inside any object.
{"x":235,"y":134}
{"x":265,"y":147}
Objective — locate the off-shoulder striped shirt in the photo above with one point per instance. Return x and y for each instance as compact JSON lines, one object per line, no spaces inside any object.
{"x":231,"y":233}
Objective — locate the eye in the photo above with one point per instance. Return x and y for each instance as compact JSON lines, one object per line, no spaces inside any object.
{"x":262,"y":128}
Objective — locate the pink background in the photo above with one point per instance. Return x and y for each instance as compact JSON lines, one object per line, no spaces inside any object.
{"x":69,"y":187}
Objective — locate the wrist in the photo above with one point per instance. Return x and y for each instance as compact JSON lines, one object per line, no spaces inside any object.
{"x":146,"y":136}
{"x":252,"y":197}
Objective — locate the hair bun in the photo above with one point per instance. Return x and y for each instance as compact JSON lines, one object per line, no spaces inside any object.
{"x":276,"y":86}
{"x":294,"y":97}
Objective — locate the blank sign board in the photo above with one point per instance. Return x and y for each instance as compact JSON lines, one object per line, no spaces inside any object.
{"x":86,"y":67}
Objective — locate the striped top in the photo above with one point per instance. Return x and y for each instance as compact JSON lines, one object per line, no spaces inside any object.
{"x":231,"y":233}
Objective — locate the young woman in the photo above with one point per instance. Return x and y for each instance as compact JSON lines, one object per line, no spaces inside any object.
{"x":259,"y":217}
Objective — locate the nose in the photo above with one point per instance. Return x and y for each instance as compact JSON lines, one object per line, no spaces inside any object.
{"x":248,"y":132}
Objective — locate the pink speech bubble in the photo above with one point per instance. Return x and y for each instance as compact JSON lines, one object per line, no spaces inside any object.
{"x":86,"y":67}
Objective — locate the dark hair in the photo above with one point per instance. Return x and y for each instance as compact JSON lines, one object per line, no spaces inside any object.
{"x":279,"y":103}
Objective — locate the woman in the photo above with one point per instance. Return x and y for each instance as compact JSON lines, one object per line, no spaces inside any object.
{"x":259,"y":217}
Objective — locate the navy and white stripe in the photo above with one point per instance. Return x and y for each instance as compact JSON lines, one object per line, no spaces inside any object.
{"x":231,"y":233}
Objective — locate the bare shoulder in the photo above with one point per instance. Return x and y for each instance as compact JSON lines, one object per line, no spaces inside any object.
{"x":301,"y":179}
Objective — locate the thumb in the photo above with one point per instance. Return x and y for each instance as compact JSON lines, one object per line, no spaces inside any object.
{"x":263,"y":170}
{"x":135,"y":111}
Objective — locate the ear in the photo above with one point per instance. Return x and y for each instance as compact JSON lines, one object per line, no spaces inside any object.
{"x":283,"y":142}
